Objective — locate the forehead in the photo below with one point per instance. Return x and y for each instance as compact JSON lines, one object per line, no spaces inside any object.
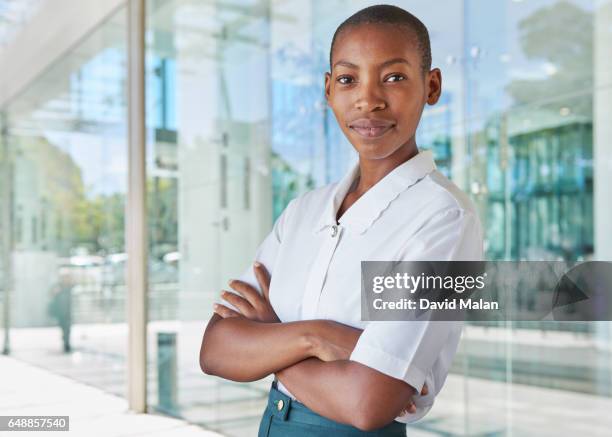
{"x":373,"y":43}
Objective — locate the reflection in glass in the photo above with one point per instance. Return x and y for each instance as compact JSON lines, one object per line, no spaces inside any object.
{"x":239,"y":126}
{"x":65,"y":137}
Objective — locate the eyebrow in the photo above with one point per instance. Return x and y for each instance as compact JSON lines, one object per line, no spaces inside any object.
{"x":384,"y":64}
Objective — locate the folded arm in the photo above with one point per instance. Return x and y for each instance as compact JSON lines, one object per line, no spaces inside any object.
{"x":309,"y":357}
{"x":250,"y":343}
{"x":244,"y":350}
{"x":348,"y":392}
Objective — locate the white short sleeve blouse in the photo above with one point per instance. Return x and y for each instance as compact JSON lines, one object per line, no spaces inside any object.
{"x":413,"y":213}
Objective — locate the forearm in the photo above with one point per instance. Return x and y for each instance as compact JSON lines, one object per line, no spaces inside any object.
{"x":243,"y":350}
{"x":327,"y":388}
{"x":324,"y":387}
{"x":347,"y":392}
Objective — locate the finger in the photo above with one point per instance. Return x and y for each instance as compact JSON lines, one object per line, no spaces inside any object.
{"x":263,"y":277}
{"x":409,"y":409}
{"x":249,"y":293}
{"x":239,"y":302}
{"x":424,"y":390}
{"x":224,"y":311}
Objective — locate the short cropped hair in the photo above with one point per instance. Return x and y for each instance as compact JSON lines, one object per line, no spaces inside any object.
{"x":393,"y":15}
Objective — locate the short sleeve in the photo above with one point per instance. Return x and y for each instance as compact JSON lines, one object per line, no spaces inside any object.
{"x":422,"y":351}
{"x":266,"y":252}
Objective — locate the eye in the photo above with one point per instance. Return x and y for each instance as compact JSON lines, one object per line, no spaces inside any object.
{"x":341,"y":79}
{"x":397,"y":76}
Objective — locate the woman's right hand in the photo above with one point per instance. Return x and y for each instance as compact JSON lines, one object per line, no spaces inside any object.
{"x":250,"y":303}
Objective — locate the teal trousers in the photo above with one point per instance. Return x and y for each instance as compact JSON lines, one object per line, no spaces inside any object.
{"x":285,"y":417}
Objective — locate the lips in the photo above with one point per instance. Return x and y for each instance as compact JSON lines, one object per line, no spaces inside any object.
{"x":371,"y":128}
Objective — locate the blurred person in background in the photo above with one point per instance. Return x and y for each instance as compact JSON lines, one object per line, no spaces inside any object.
{"x":60,"y":306}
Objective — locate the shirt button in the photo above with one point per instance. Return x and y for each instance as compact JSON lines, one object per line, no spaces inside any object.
{"x":334,"y":231}
{"x":280,"y":405}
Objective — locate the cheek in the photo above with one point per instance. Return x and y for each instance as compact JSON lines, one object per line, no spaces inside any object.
{"x":340,"y":106}
{"x":409,"y":109}
{"x":341,"y":102}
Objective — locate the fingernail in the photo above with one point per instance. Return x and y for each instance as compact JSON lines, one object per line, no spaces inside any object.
{"x":230,"y":282}
{"x":256,"y":264}
{"x":216,"y":306}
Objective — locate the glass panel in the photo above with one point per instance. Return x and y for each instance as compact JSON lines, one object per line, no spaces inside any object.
{"x":209,"y":192}
{"x":238,"y":126}
{"x":529,"y":96}
{"x":66,"y":139}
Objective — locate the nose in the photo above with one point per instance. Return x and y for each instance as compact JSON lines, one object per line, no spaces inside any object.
{"x":369,"y":98}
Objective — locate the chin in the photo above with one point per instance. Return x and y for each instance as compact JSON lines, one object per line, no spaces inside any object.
{"x":374,"y":151}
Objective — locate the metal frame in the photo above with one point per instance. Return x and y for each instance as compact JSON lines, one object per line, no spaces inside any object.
{"x":602,"y":132}
{"x":136,"y":224}
{"x":6,"y":171}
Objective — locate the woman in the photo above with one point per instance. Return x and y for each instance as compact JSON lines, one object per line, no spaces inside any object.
{"x":302,"y":321}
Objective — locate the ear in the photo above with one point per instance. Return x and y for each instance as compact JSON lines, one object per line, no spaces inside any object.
{"x":327,"y":86}
{"x":434,"y":86}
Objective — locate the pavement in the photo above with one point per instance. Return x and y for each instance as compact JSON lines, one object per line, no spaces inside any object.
{"x":499,"y":400}
{"x":27,"y":390}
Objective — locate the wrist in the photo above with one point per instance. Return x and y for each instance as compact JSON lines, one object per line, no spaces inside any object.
{"x":311,"y":338}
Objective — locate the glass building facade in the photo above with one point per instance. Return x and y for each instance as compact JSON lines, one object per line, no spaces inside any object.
{"x":237,"y":125}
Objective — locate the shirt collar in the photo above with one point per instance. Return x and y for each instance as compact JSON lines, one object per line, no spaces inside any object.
{"x":370,"y":206}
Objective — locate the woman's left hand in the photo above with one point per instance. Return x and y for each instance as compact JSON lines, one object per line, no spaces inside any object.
{"x":250,"y":303}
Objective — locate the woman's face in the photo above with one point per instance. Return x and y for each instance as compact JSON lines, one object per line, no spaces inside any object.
{"x":377,"y":88}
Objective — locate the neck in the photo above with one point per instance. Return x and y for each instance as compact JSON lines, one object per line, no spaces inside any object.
{"x":371,"y":171}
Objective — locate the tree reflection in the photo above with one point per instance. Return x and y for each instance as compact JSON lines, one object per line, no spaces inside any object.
{"x":562,"y":36}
